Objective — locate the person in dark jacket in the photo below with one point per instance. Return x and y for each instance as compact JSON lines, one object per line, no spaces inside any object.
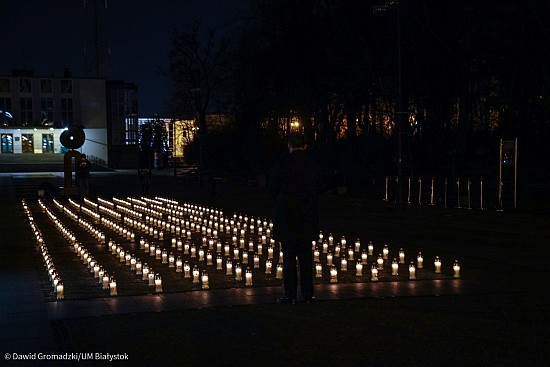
{"x":83,"y":175}
{"x":294,"y":185}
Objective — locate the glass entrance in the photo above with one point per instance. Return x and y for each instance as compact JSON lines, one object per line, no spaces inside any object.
{"x":27,"y":143}
{"x":7,"y":143}
{"x":47,"y":143}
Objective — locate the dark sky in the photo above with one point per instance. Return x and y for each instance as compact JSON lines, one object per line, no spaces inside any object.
{"x":49,"y":35}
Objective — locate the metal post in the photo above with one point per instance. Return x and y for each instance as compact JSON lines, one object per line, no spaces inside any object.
{"x":396,"y":190}
{"x":515,"y":172}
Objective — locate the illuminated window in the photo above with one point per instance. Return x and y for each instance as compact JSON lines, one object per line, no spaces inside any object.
{"x":7,"y":143}
{"x":27,"y":143}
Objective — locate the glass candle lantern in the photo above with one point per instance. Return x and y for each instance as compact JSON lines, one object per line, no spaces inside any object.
{"x":279,"y":274}
{"x":420,"y":261}
{"x":329,"y":258}
{"x":359,"y":269}
{"x":358,"y":245}
{"x":333,"y":275}
{"x":374,"y":273}
{"x":394,"y":267}
{"x":380,"y":262}
{"x":268,"y":266}
{"x":205,"y":284}
{"x":228,"y":267}
{"x":344,"y":264}
{"x":412,"y":271}
{"x":248,"y":279}
{"x":437,"y":264}
{"x":456,"y":269}
{"x":385,"y":252}
{"x":401,"y":256}
{"x":112,"y":287}
{"x":238,"y":273}
{"x":371,"y":248}
{"x":318,"y":270}
{"x":186,"y":270}
{"x":196,"y":275}
{"x":179,"y":264}
{"x":364,"y":257}
{"x":158,"y":283}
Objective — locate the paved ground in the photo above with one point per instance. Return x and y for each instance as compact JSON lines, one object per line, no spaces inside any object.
{"x":504,"y":257}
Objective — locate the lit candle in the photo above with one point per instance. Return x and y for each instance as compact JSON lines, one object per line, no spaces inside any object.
{"x":437,"y":264}
{"x":179,"y":245}
{"x":337,"y":250}
{"x":420,"y":261}
{"x":219,"y":263}
{"x":179,"y":264}
{"x":219,"y":247}
{"x":268,"y":266}
{"x":456,"y":269}
{"x":193,"y":251}
{"x":112,"y":287}
{"x":270,"y":252}
{"x":248,"y":275}
{"x":205,"y":284}
{"x":318,"y":270}
{"x":174,"y":241}
{"x":201,"y":254}
{"x":145,"y":272}
{"x":152,"y":250}
{"x":209,"y":258}
{"x":138,"y":267}
{"x":100,"y":275}
{"x":394,"y":267}
{"x":374,"y":273}
{"x":245,"y":257}
{"x":358,"y":245}
{"x":316,"y":255}
{"x":60,"y":291}
{"x":228,"y":267}
{"x":325,"y":247}
{"x":385,"y":252}
{"x":226,"y":249}
{"x":96,"y":271}
{"x":412,"y":271}
{"x":171,"y":260}
{"x":186,"y":270}
{"x":371,"y":249}
{"x":105,"y":281}
{"x":364,"y":257}
{"x":151,"y":277}
{"x":260,"y":249}
{"x":344,"y":264}
{"x":279,"y":274}
{"x":401,"y":256}
{"x":329,"y":258}
{"x":158,"y":283}
{"x":256,"y":261}
{"x":358,"y":269}
{"x":330,"y":239}
{"x":333,"y":275}
{"x":195,"y":275}
{"x":380,"y":262}
{"x":238,"y":273}
{"x":236,"y":253}
{"x":350,"y":254}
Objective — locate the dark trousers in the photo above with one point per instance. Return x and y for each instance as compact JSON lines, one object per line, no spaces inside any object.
{"x":302,"y":250}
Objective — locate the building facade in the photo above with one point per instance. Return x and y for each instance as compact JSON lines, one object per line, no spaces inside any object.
{"x":35,"y":110}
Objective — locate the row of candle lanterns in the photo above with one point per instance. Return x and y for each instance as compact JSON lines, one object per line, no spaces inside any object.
{"x":54,"y":277}
{"x":108,"y":282}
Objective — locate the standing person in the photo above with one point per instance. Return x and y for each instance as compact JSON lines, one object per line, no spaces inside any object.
{"x":83,"y":175}
{"x":294,"y":185}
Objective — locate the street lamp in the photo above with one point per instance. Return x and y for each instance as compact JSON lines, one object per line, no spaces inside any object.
{"x":380,"y":10}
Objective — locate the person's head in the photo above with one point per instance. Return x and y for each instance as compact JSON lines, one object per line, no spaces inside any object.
{"x":296,"y":141}
{"x":83,"y":156}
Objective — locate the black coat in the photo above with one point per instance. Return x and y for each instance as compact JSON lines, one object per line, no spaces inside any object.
{"x":294,"y":185}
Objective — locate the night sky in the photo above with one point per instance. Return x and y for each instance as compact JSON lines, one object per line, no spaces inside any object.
{"x":48,"y":35}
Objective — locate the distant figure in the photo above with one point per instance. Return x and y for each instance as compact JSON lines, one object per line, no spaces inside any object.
{"x":83,"y":175}
{"x":294,"y":185}
{"x":144,"y":178}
